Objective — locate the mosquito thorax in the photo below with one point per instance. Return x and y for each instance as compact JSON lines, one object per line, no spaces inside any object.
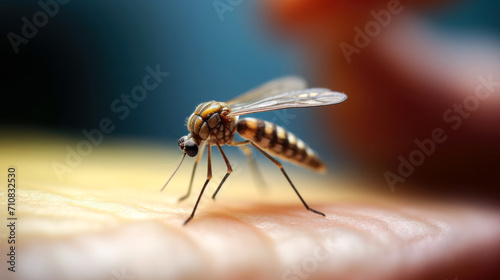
{"x":188,"y":145}
{"x":212,"y":121}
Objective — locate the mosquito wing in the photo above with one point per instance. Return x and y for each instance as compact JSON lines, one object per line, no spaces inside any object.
{"x":271,"y":88}
{"x":283,"y":100}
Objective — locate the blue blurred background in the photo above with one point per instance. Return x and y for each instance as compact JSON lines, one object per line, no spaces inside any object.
{"x":92,"y":52}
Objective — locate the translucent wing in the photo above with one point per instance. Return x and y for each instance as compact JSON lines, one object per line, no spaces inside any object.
{"x":291,"y":99}
{"x":271,"y":88}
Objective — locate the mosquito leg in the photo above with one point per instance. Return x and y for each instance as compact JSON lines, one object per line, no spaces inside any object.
{"x":242,"y":143}
{"x":209,"y":176}
{"x":253,"y":166}
{"x":280,"y":166}
{"x":229,"y":170}
{"x":198,"y":158}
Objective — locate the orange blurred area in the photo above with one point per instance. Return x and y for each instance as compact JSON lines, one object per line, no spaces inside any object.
{"x":424,"y":102}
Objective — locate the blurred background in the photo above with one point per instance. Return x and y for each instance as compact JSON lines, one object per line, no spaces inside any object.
{"x":63,"y":66}
{"x":68,"y":75}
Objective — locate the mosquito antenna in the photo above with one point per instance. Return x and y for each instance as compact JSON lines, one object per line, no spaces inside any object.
{"x":174,"y":172}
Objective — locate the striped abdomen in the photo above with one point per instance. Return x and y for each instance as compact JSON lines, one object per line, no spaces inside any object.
{"x":279,"y":142}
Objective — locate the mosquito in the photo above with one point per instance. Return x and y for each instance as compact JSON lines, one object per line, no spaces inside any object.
{"x":215,"y":123}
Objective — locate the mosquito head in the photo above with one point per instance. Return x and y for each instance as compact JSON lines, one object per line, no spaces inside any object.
{"x":188,"y":145}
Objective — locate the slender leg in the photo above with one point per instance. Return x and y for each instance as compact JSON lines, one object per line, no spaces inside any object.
{"x":229,"y":170}
{"x":253,"y":166}
{"x":198,"y":158}
{"x":246,"y":142}
{"x":280,"y":166}
{"x":209,"y":176}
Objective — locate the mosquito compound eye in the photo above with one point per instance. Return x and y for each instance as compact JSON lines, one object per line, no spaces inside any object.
{"x":191,"y":148}
{"x":181,"y":142}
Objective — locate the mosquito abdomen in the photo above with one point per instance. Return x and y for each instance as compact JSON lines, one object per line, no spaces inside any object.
{"x":279,"y":142}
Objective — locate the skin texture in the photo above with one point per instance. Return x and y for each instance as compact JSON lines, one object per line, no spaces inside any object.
{"x":107,"y":219}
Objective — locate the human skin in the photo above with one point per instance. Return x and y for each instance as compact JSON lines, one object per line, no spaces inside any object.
{"x":107,"y":220}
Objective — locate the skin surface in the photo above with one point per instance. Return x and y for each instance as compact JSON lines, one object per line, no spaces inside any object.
{"x":107,"y":220}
